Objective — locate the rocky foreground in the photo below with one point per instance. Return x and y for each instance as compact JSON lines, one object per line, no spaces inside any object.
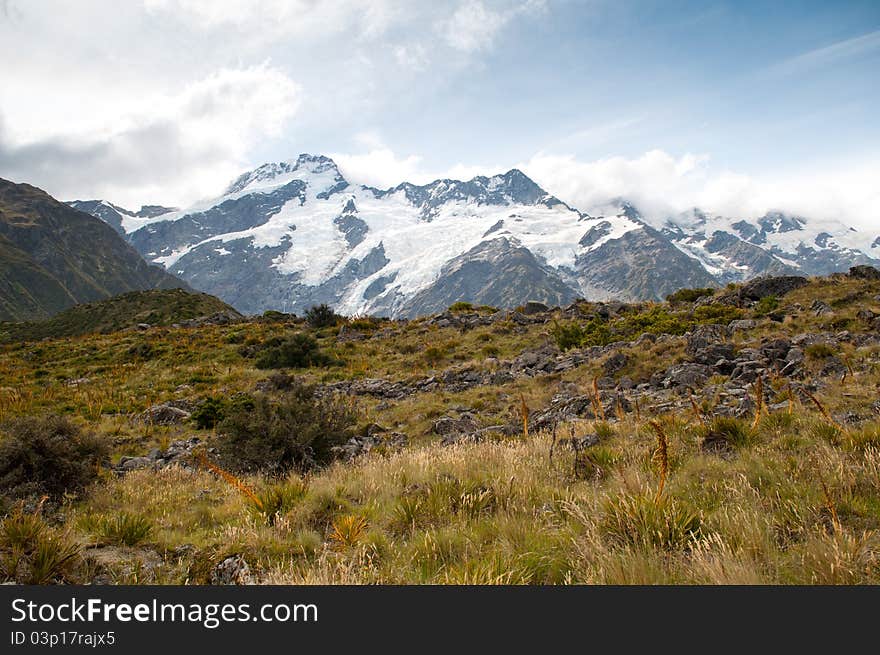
{"x":723,"y":436}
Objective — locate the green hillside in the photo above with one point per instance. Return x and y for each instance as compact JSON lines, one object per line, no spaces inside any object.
{"x":156,"y":307}
{"x":53,"y":256}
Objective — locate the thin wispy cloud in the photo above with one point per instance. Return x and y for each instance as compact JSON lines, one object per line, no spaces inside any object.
{"x":836,"y":53}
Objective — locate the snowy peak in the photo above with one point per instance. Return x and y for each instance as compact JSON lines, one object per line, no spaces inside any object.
{"x":318,"y":170}
{"x":510,"y":188}
{"x":121,"y":219}
{"x":291,"y":234}
{"x":734,"y":249}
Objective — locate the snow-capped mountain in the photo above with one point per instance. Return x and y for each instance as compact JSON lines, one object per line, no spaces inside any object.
{"x":289,"y":235}
{"x":734,"y":249}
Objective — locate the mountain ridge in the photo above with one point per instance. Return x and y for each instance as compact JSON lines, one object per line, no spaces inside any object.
{"x":297,"y":233}
{"x":53,"y":256}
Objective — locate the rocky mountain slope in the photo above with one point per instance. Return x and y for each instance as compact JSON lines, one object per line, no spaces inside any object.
{"x":52,"y":257}
{"x":289,"y":235}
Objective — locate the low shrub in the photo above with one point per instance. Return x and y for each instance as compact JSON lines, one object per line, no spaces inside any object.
{"x":212,"y":410}
{"x":690,"y":295}
{"x":819,"y":351}
{"x":321,"y":316}
{"x":297,"y":430}
{"x":47,"y":455}
{"x":297,"y":351}
{"x":727,"y":432}
{"x":766,"y":305}
{"x":277,"y":499}
{"x":569,"y":334}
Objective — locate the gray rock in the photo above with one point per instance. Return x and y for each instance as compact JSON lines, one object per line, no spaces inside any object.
{"x":134,"y":463}
{"x":864,"y":272}
{"x":771,"y":286}
{"x":446,"y":425}
{"x":687,"y":375}
{"x":164,"y":415}
{"x":614,"y":363}
{"x":534,"y":307}
{"x":742,"y":324}
{"x":232,"y":570}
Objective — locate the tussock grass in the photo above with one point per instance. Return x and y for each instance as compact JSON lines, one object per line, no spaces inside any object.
{"x":792,"y":497}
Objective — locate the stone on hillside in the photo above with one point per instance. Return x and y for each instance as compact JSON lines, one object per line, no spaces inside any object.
{"x":616,"y":362}
{"x":687,"y":375}
{"x":742,"y":324}
{"x":534,"y":307}
{"x":821,"y":308}
{"x":127,"y":463}
{"x":446,"y":425}
{"x":771,"y":286}
{"x":233,"y":570}
{"x":864,"y":272}
{"x":164,"y":415}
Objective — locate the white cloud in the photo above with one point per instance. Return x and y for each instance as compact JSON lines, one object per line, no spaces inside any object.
{"x":473,"y":26}
{"x":171,"y":148}
{"x":657,"y":182}
{"x":413,"y":57}
{"x":274,"y":19}
{"x":660,"y":183}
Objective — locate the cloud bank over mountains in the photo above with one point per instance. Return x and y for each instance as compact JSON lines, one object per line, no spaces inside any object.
{"x":166,"y":101}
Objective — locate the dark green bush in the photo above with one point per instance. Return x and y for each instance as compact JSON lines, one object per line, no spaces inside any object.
{"x":321,"y":316}
{"x":47,"y":455}
{"x":766,"y":305}
{"x":461,"y":306}
{"x":717,"y":314}
{"x":574,"y":335}
{"x":297,"y":430}
{"x":300,"y":350}
{"x":690,"y":295}
{"x":212,"y":410}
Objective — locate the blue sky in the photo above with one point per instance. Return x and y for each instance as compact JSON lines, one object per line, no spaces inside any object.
{"x":741,"y":106}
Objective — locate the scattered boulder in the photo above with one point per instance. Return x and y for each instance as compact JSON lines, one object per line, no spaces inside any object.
{"x":533,"y":307}
{"x":616,"y":362}
{"x":363,"y":444}
{"x":447,"y":425}
{"x":742,"y":324}
{"x":864,"y":272}
{"x":127,"y":463}
{"x":164,"y":415}
{"x":687,"y":375}
{"x":771,"y":286}
{"x":232,"y":570}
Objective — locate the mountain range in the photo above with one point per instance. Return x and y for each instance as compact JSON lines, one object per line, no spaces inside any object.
{"x":289,"y":235}
{"x":53,"y":257}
